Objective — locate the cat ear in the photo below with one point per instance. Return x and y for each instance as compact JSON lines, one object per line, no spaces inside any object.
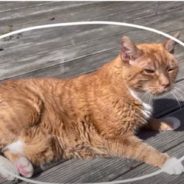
{"x":169,"y":44}
{"x":129,"y":51}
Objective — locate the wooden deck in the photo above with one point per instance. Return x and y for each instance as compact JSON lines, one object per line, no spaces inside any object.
{"x":69,"y":51}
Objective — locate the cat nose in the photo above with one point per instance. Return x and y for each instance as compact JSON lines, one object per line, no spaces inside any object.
{"x":164,"y":81}
{"x":165,"y":84}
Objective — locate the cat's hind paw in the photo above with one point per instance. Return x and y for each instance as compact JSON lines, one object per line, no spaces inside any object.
{"x":170,"y":123}
{"x":24,"y":167}
{"x":173,"y":166}
{"x":7,"y":165}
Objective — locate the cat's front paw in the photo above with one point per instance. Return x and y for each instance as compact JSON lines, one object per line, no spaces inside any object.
{"x":24,"y":167}
{"x":6,"y":165}
{"x":173,"y":166}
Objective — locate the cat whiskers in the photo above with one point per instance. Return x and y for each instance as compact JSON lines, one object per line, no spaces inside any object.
{"x":180,"y":93}
{"x":178,"y":90}
{"x":176,"y":93}
{"x":148,"y":97}
{"x":151,"y":97}
{"x":145,"y":96}
{"x":176,"y":97}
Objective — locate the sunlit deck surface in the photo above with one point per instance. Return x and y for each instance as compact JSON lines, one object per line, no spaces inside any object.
{"x":75,"y":50}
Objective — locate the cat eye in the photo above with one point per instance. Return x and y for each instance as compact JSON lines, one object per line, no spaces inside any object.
{"x":170,"y":69}
{"x":149,"y":71}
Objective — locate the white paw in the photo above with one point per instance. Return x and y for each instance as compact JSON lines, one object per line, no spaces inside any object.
{"x":175,"y":122}
{"x":24,"y":167}
{"x":173,"y":166}
{"x":6,"y":165}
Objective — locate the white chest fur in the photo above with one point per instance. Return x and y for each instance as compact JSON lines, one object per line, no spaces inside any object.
{"x":147,"y":109}
{"x":15,"y":147}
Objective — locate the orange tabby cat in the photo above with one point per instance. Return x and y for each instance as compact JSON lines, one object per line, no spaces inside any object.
{"x":96,"y":114}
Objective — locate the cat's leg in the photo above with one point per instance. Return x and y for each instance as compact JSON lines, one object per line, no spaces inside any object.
{"x":14,"y":161}
{"x":10,"y":159}
{"x":132,"y":147}
{"x":6,"y":165}
{"x":39,"y":146}
{"x":167,"y":123}
{"x":17,"y":115}
{"x":20,"y":163}
{"x":33,"y":147}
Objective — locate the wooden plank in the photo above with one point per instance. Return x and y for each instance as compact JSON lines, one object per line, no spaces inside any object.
{"x":42,"y":15}
{"x":10,"y":6}
{"x":163,"y":7}
{"x":37,"y":56}
{"x":141,"y":10}
{"x":153,"y":17}
{"x":31,"y":54}
{"x":7,"y":55}
{"x":101,"y":10}
{"x":82,"y":34}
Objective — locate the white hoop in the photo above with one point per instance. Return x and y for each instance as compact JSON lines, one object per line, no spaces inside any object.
{"x":92,"y":23}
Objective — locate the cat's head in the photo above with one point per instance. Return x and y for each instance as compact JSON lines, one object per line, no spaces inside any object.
{"x":149,"y":67}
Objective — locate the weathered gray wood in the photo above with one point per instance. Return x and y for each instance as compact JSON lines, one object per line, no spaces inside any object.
{"x":37,"y":56}
{"x":76,"y":50}
{"x":71,"y":14}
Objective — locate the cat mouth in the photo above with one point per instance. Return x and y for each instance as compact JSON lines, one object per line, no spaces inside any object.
{"x":161,"y":91}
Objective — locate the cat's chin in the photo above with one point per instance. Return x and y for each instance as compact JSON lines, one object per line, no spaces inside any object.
{"x":160,"y":94}
{"x":151,"y":94}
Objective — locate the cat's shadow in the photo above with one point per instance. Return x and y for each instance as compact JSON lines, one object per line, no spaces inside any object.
{"x":164,"y":107}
